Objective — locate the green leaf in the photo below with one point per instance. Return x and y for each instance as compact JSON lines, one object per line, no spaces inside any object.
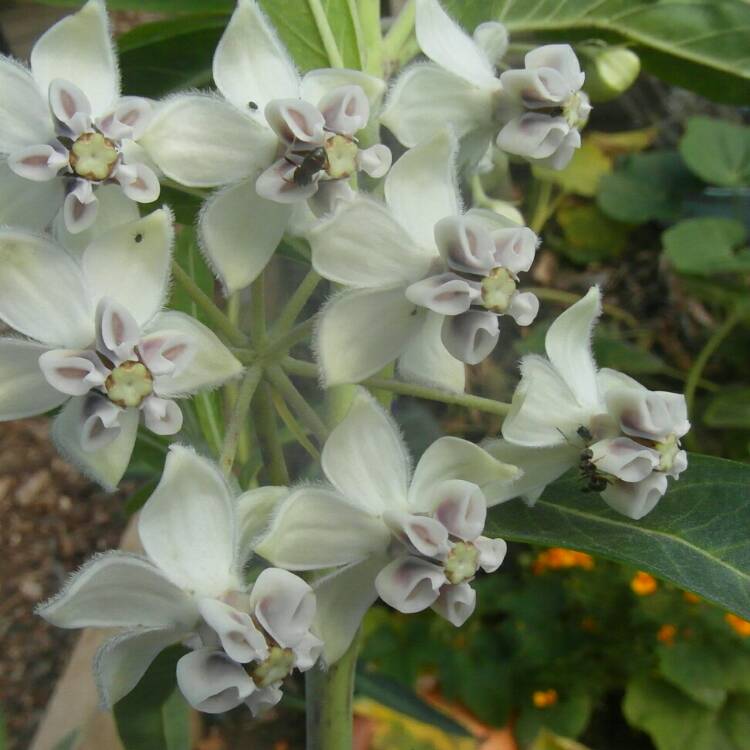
{"x":717,"y":151}
{"x":645,"y":187}
{"x":395,"y":695}
{"x":696,"y":537}
{"x":729,"y":409}
{"x":186,"y":253}
{"x":568,"y":717}
{"x":613,"y":352}
{"x":707,"y":246}
{"x":546,"y":740}
{"x":154,"y":6}
{"x":138,"y":499}
{"x":697,"y":670}
{"x":590,"y":236}
{"x":698,"y":44}
{"x":588,"y":165}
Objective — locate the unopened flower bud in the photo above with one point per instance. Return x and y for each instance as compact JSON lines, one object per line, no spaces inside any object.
{"x":610,"y":71}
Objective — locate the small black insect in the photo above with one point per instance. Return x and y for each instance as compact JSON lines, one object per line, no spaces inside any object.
{"x":312,"y":162}
{"x":588,"y":471}
{"x":252,"y":105}
{"x":139,"y":237}
{"x":585,"y":434}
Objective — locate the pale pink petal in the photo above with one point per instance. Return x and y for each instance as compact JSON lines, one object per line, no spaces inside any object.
{"x":471,"y":336}
{"x":162,"y":416}
{"x":72,"y":372}
{"x":409,"y":584}
{"x":38,"y":163}
{"x":296,"y":121}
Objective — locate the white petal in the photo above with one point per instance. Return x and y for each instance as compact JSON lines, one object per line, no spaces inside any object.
{"x":166,"y":353}
{"x":636,"y":499}
{"x":329,"y":195}
{"x":492,"y":38}
{"x":239,"y":637}
{"x":317,"y":83}
{"x":239,"y":231}
{"x":452,"y":458}
{"x":70,"y":106}
{"x":138,"y":181}
{"x":568,"y":345}
{"x":346,"y":110}
{"x":456,"y":603}
{"x":421,"y":187}
{"x":250,"y":63}
{"x":654,"y":415}
{"x":624,"y":458}
{"x":343,"y":598}
{"x":187,"y":526}
{"x":534,"y":136}
{"x":212,"y":682}
{"x":446,"y":294}
{"x":100,"y":422}
{"x":515,"y":248}
{"x":296,"y":121}
{"x":471,"y":336}
{"x":117,"y":332}
{"x":79,"y":49}
{"x":365,"y":457}
{"x":72,"y":372}
{"x":465,"y":244}
{"x":42,"y":291}
{"x":121,"y":661}
{"x":307,"y":652}
{"x":460,"y":506}
{"x":426,"y":97}
{"x":24,"y":113}
{"x":561,"y":58}
{"x":444,"y":42}
{"x":410,"y":584}
{"x":203,"y":141}
{"x":426,"y":360}
{"x":523,"y":308}
{"x":375,"y":161}
{"x":128,"y":120}
{"x":277,"y":183}
{"x":105,"y":465}
{"x":351,"y":347}
{"x":120,"y":590}
{"x":317,"y":528}
{"x":130,"y":264}
{"x":263,"y":699}
{"x":37,"y":163}
{"x":211,"y":365}
{"x":162,"y":416}
{"x":80,"y":207}
{"x":362,"y":245}
{"x":24,"y":391}
{"x":425,"y":535}
{"x":255,"y":510}
{"x":23,"y":203}
{"x":284,"y":605}
{"x":491,"y":553}
{"x":540,"y":466}
{"x":536,"y":88}
{"x":562,"y":155}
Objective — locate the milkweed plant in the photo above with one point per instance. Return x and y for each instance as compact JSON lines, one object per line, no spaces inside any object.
{"x":368,"y":171}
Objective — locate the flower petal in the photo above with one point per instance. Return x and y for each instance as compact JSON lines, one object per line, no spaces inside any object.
{"x":162,"y":416}
{"x":80,"y":207}
{"x":24,"y":113}
{"x":79,"y":49}
{"x":70,"y":106}
{"x":636,"y":499}
{"x":120,"y":590}
{"x":203,"y":141}
{"x":239,"y":637}
{"x":138,"y":182}
{"x":239,"y":231}
{"x":425,"y":535}
{"x":523,"y":308}
{"x":491,"y":553}
{"x":130,"y":264}
{"x":42,"y":291}
{"x":460,"y":506}
{"x":350,"y":348}
{"x":366,"y":459}
{"x":27,"y":204}
{"x":445,"y":294}
{"x":362,"y":245}
{"x":444,"y":42}
{"x":105,"y":465}
{"x":38,"y":163}
{"x":410,"y":584}
{"x":492,"y":38}
{"x":471,"y":336}
{"x":117,"y":332}
{"x":296,"y":121}
{"x":100,"y":422}
{"x":278,"y":184}
{"x":128,"y":120}
{"x":465,"y":244}
{"x":456,"y":603}
{"x":559,"y":57}
{"x":318,"y":83}
{"x":318,"y":528}
{"x":250,"y":63}
{"x":72,"y":372}
{"x":624,"y":458}
{"x":535,"y":136}
{"x":211,"y":365}
{"x":375,"y":161}
{"x":255,"y":510}
{"x":24,"y":391}
{"x":346,"y":110}
{"x":421,"y":187}
{"x":187,"y":526}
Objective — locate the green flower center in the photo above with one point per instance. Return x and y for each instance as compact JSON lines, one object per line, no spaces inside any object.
{"x":576,"y":110}
{"x":497,"y":290}
{"x":129,"y":383}
{"x":276,"y":667}
{"x":342,"y":157}
{"x":668,"y":451}
{"x":93,"y":156}
{"x":461,"y":563}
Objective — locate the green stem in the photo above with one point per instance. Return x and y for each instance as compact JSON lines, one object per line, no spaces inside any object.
{"x":218,"y":319}
{"x":542,"y":206}
{"x":328,"y":695}
{"x":295,"y":428}
{"x":297,"y":301}
{"x":326,"y":34}
{"x":258,"y":311}
{"x":237,"y":418}
{"x":309,"y":417}
{"x":369,"y":14}
{"x":268,"y":436}
{"x":488,"y":405}
{"x":358,"y":32}
{"x":285,"y":342}
{"x":701,"y":360}
{"x":400,"y":32}
{"x":205,"y":410}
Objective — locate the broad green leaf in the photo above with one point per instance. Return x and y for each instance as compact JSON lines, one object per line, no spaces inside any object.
{"x":582,"y":175}
{"x":546,"y":740}
{"x":568,"y":717}
{"x":696,"y":537}
{"x":620,"y":355}
{"x":707,"y":246}
{"x":717,"y":151}
{"x":645,"y":187}
{"x":697,"y":670}
{"x":589,"y":234}
{"x":697,"y":44}
{"x":729,"y":409}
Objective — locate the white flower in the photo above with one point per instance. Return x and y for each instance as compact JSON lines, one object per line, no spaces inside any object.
{"x":189,"y":589}
{"x":96,"y":339}
{"x":274,"y":138}
{"x":428,"y":283}
{"x":624,"y":439}
{"x":461,"y":87}
{"x":414,"y":540}
{"x":65,"y":131}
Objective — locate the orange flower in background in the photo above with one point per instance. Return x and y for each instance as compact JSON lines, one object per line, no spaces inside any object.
{"x":667,"y":634}
{"x":544,"y":698}
{"x":557,"y":558}
{"x":690,"y":597}
{"x":643,"y":584}
{"x":740,"y":626}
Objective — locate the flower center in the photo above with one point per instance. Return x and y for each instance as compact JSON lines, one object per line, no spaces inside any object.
{"x":461,"y":563}
{"x":93,"y":156}
{"x":498,"y":289}
{"x":576,"y":110}
{"x":129,"y":383}
{"x":276,"y":667}
{"x":342,"y":157}
{"x":668,"y":451}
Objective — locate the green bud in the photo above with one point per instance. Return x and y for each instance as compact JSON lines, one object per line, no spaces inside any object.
{"x":610,"y":71}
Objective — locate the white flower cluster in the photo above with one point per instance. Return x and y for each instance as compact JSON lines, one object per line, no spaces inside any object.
{"x":423,"y":283}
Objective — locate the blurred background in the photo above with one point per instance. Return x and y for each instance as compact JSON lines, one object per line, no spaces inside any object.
{"x":566,"y":651}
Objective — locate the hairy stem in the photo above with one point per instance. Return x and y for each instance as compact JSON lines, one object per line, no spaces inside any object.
{"x":369,"y":14}
{"x":285,"y":342}
{"x":297,"y":301}
{"x":268,"y":436}
{"x":309,"y":417}
{"x":237,"y":418}
{"x":258,"y":311}
{"x":400,"y":32}
{"x":326,"y":34}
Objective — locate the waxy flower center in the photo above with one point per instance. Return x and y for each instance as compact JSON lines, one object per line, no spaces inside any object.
{"x":668,"y":451}
{"x":462,"y":563}
{"x":498,"y":289}
{"x":129,"y":384}
{"x":93,"y":157}
{"x":276,"y":667}
{"x":342,"y":157}
{"x":576,"y":110}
